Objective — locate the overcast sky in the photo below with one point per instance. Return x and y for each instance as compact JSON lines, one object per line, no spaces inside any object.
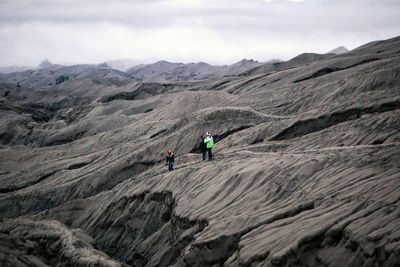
{"x":214,"y":31}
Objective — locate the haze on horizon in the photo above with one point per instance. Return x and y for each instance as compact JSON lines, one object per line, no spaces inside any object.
{"x":94,"y":31}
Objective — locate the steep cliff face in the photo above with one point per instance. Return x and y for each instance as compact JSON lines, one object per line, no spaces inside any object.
{"x":306,"y":169}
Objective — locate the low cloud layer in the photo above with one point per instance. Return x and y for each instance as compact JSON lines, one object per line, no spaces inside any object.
{"x":93,"y":31}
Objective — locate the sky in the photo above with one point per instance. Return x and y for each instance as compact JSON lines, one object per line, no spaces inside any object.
{"x":213,"y":31}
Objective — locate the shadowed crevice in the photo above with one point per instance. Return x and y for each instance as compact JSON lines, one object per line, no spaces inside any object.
{"x":27,"y":184}
{"x":304,"y":127}
{"x":328,"y":70}
{"x":132,"y":228}
{"x":219,"y":250}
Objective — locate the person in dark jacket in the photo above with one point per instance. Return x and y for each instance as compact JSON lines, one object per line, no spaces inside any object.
{"x":203,"y":147}
{"x":170,"y":160}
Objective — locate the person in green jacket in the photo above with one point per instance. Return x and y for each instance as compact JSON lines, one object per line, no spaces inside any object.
{"x":209,"y":141}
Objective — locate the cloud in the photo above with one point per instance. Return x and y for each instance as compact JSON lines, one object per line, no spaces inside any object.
{"x":222,"y":31}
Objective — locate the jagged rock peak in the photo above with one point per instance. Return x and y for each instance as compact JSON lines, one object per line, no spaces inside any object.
{"x":245,"y":61}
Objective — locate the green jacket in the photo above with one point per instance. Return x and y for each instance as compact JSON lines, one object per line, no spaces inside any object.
{"x":209,"y":141}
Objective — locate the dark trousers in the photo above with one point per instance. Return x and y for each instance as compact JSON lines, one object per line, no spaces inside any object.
{"x":209,"y":153}
{"x":204,"y":152}
{"x":170,"y":165}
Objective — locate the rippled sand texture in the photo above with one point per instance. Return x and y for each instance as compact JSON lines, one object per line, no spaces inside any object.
{"x":306,"y":169}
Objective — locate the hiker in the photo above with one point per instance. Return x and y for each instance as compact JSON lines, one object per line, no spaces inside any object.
{"x":209,"y":141}
{"x":203,"y":147}
{"x":170,"y":160}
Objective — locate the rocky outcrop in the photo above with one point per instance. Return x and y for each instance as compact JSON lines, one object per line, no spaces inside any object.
{"x":61,"y":79}
{"x":48,"y":243}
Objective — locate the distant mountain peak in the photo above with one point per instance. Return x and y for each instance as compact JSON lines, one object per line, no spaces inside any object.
{"x":273,"y":60}
{"x":104,"y":65}
{"x":339,"y":50}
{"x":246,"y":62}
{"x":164,"y":62}
{"x":45,"y":63}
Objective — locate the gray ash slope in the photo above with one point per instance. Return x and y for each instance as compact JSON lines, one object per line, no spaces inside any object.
{"x":306,"y":170}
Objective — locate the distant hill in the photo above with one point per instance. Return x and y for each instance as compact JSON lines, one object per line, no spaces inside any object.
{"x":242,"y":65}
{"x":46,"y":64}
{"x":158,"y":71}
{"x":276,"y":65}
{"x":74,"y":77}
{"x":11,"y":69}
{"x":339,"y":50}
{"x":168,"y":71}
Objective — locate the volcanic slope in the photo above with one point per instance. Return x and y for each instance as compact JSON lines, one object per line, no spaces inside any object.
{"x":306,"y":169}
